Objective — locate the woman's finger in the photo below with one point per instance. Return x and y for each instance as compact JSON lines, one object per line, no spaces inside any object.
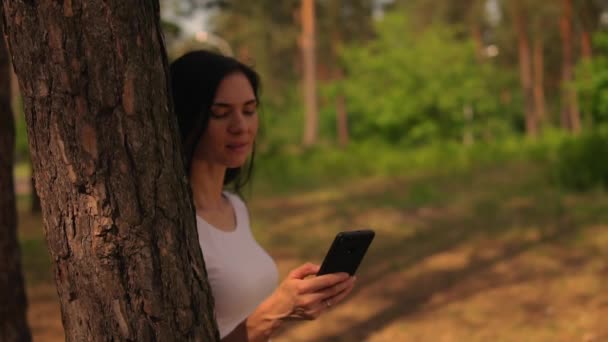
{"x":340,"y":296}
{"x":304,"y":271}
{"x":322,"y":282}
{"x":311,"y":299}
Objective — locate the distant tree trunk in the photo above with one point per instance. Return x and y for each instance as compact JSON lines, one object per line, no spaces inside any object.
{"x":342,"y":120}
{"x":539,"y":92}
{"x":586,"y":49}
{"x":477,"y":40}
{"x":525,"y":68}
{"x":570,"y":116}
{"x":338,"y":74}
{"x":307,"y":42}
{"x":13,"y":304}
{"x":117,"y":210}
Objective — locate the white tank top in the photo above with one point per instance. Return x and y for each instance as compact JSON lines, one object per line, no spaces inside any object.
{"x":241,"y":274}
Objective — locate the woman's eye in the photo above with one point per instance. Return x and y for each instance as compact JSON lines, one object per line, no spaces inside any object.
{"x":250,"y":111}
{"x":219,"y":115}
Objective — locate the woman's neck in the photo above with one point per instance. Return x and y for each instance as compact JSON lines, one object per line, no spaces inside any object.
{"x":207,"y":182}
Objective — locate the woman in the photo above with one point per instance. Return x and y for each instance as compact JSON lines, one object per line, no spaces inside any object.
{"x":216,"y":101}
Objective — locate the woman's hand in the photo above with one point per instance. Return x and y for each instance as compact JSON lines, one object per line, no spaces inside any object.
{"x":298,"y":297}
{"x":304,"y":298}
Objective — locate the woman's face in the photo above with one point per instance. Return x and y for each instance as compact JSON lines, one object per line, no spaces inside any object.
{"x":233,"y":124}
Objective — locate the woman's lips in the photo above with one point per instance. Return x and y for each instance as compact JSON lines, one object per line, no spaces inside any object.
{"x":238,"y":147}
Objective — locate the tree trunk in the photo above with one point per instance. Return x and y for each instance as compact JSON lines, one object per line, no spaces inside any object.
{"x":342,"y":120}
{"x":570,"y":115}
{"x":525,"y":69}
{"x":586,"y":49}
{"x":338,"y":75}
{"x":13,"y":304}
{"x":477,"y":40}
{"x":307,"y":42}
{"x":539,"y":90}
{"x":116,"y":206}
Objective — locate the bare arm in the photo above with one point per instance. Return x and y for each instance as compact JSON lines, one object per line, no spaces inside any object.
{"x":296,"y":298}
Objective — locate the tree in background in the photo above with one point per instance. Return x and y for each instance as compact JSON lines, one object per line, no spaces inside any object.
{"x":513,"y":37}
{"x":520,"y":21}
{"x":266,"y":34}
{"x":341,"y":22}
{"x":570,"y":115}
{"x":309,"y":84}
{"x":117,"y":211}
{"x":587,"y":16}
{"x":592,"y":82}
{"x":397,"y":94}
{"x":13,"y":304}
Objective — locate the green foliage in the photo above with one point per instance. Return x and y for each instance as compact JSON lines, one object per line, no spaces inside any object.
{"x":416,"y":88}
{"x":281,"y":121}
{"x":294,"y":170}
{"x":581,"y":163}
{"x":592,"y":83}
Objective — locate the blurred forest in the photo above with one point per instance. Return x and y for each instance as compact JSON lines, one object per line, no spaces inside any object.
{"x":411,"y":74}
{"x":408,"y":75}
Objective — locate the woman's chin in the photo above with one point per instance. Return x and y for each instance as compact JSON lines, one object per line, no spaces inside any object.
{"x":233,"y":164}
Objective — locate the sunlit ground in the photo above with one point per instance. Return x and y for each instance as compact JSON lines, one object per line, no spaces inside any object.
{"x":494,"y":254}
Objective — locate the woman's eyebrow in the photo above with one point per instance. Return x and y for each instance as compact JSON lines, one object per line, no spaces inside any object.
{"x":228,"y":105}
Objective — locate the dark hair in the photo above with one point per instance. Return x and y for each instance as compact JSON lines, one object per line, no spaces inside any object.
{"x":195,"y":78}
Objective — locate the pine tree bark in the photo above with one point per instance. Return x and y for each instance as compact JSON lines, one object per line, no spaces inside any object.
{"x":525,"y":68}
{"x":116,"y":206}
{"x":13,"y":304}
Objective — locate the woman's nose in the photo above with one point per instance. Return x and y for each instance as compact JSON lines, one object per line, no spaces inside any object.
{"x":238,"y":122}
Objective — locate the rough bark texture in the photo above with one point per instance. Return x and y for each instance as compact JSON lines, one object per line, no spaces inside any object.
{"x":116,"y":204}
{"x":13,"y":322}
{"x":307,"y":42}
{"x":525,"y":68}
{"x":570,"y":117}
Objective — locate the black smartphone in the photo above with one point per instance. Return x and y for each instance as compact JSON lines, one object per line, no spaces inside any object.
{"x":347,"y":252}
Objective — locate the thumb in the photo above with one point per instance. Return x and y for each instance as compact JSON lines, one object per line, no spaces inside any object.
{"x":304,"y":271}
